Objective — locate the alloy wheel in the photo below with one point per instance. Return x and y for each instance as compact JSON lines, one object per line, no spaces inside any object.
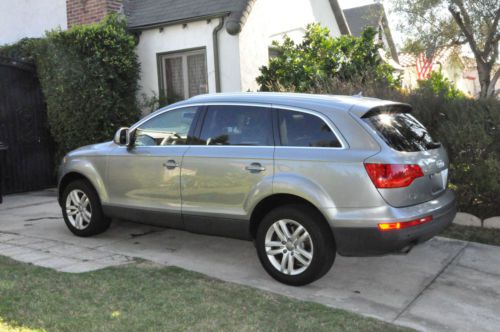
{"x":289,"y":247}
{"x":78,"y":209}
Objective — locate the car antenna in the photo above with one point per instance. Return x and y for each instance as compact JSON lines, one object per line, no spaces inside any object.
{"x":359,"y":94}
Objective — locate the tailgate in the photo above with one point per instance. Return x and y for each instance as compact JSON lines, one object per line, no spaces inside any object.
{"x":404,"y":140}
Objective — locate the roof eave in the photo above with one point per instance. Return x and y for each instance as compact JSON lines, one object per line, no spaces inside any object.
{"x":176,"y":22}
{"x":339,"y":17}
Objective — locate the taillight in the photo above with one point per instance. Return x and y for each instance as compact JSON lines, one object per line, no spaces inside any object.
{"x":388,"y":226}
{"x":393,"y":175}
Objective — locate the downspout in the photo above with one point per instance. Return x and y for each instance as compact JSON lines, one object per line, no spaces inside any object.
{"x":216,"y":53}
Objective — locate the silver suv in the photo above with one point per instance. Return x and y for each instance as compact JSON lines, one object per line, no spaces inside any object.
{"x":304,"y":176}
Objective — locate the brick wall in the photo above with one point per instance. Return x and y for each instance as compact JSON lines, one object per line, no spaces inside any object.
{"x":90,"y":11}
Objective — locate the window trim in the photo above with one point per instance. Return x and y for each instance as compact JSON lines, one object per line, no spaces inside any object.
{"x":272,"y":108}
{"x":184,"y":53}
{"x":333,"y":128}
{"x":192,"y":128}
{"x":203,"y":116}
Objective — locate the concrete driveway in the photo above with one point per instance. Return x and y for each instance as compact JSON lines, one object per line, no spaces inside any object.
{"x":443,"y":285}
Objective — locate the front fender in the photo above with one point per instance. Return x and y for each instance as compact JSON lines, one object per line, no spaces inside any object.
{"x":92,"y":168}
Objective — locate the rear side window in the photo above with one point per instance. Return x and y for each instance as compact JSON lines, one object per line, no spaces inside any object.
{"x":303,"y":129}
{"x":237,"y":125}
{"x":401,"y":131}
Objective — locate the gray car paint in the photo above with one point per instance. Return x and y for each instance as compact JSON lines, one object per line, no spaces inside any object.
{"x":333,"y":180}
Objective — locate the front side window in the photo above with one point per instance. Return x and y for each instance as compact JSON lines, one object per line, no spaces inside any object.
{"x":304,"y":129}
{"x":237,"y":125}
{"x":168,"y":128}
{"x":183,"y":75}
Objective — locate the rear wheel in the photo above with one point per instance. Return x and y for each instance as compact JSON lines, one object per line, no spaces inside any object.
{"x":295,"y":244}
{"x":82,"y":209}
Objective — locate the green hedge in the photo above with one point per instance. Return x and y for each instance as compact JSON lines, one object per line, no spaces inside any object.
{"x":89,"y":77}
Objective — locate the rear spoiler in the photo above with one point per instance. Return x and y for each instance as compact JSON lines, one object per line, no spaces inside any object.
{"x":389,"y":108}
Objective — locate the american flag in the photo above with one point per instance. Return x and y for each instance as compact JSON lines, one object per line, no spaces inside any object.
{"x":424,"y":67}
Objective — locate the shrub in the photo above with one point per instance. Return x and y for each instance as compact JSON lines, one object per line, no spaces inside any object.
{"x":470,"y":131}
{"x":89,"y":78}
{"x":23,"y":50}
{"x":319,"y":57}
{"x":440,"y":85}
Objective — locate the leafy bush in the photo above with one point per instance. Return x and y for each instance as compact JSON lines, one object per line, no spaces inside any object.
{"x":319,"y":57}
{"x":89,"y":77}
{"x":470,"y":131}
{"x":440,"y":85}
{"x":23,"y":50}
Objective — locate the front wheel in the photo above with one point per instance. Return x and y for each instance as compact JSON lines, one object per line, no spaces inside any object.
{"x":82,"y":209}
{"x":295,"y":244}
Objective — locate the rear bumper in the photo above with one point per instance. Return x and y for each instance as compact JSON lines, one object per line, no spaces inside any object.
{"x":365,"y":239}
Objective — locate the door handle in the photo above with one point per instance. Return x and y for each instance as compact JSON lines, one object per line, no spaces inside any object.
{"x":255,"y":168}
{"x":170,"y":164}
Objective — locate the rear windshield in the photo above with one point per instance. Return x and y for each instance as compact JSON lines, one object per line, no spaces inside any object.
{"x":401,"y":131}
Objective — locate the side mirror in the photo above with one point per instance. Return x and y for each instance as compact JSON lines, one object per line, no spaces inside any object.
{"x":121,"y":136}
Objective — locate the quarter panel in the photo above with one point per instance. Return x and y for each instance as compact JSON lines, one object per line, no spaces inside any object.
{"x":331,"y":177}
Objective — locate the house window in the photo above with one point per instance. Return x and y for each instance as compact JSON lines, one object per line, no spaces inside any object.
{"x":274,"y":52}
{"x":183,"y":74}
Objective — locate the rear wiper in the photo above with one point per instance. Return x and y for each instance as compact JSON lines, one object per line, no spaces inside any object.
{"x":434,"y":145}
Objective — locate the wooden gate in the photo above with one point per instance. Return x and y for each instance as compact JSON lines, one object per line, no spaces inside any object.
{"x":27,"y":164}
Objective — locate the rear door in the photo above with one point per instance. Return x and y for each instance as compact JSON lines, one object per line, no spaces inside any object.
{"x":404,"y":140}
{"x":233,"y":159}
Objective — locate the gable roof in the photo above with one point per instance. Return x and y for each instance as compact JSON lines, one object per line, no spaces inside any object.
{"x":144,"y":14}
{"x":359,"y":18}
{"x":373,"y":15}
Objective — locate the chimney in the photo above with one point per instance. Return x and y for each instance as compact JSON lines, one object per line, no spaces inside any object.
{"x":90,"y":11}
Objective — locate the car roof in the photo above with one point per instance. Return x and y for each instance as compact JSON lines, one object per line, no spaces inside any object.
{"x":357,"y":104}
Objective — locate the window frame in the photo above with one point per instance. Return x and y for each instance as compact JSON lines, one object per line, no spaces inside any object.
{"x":191,"y":131}
{"x":195,"y":130}
{"x":333,"y":128}
{"x":184,"y":53}
{"x":203,"y":116}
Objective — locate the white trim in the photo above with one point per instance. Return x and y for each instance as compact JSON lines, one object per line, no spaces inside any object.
{"x":184,"y":66}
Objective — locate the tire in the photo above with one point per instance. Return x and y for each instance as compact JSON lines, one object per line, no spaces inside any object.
{"x":318,"y":243}
{"x":84,"y":225}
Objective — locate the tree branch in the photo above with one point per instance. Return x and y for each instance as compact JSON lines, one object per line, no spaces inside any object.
{"x":467,"y":32}
{"x":493,"y":83}
{"x":493,"y":35}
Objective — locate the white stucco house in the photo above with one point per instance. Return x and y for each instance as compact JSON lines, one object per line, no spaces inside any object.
{"x":30,"y":18}
{"x":185,"y":47}
{"x":190,"y":47}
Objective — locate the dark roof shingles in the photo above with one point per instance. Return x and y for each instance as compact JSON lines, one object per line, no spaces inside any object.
{"x":143,"y":13}
{"x":359,"y":18}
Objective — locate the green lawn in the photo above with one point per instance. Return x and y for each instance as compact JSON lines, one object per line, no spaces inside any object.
{"x":474,"y":234}
{"x":142,"y":296}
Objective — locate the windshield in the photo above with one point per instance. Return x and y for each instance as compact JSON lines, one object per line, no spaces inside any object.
{"x":402,"y":132}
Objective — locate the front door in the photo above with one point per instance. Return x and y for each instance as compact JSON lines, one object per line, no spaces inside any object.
{"x":144,"y":179}
{"x":232,"y":161}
